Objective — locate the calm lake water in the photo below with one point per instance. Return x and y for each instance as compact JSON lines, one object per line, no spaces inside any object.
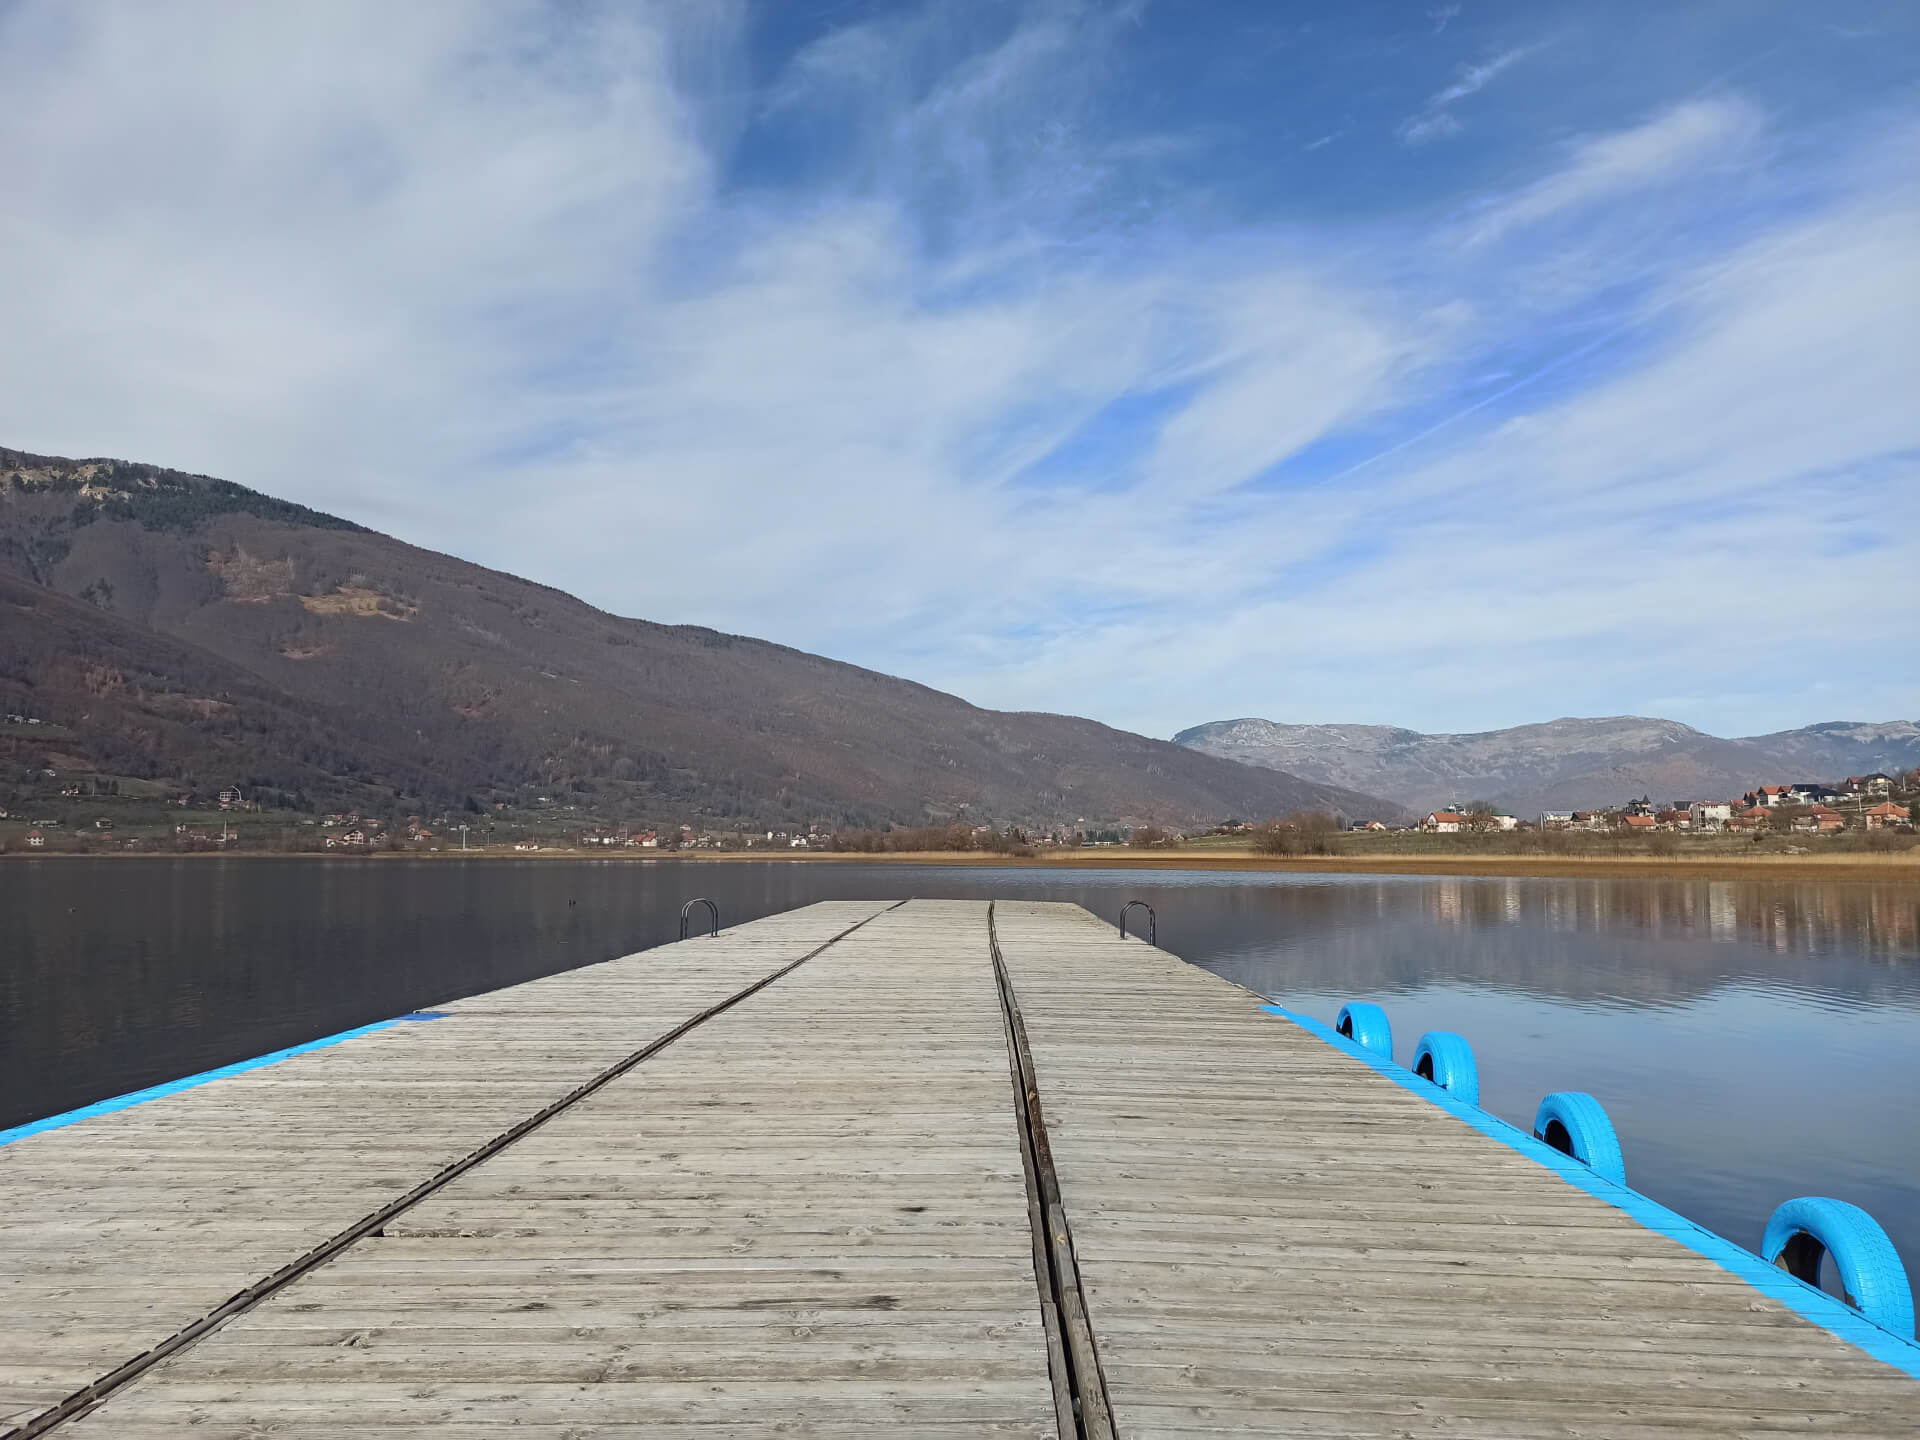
{"x":1752,"y":1041}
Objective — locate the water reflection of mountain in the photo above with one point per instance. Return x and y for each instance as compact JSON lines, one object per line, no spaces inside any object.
{"x":1633,"y":941}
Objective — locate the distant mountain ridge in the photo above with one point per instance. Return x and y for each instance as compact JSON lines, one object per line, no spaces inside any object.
{"x":174,"y":626}
{"x":1563,"y":764}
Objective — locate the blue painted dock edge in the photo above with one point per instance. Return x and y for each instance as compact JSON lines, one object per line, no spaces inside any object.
{"x":205,"y":1077}
{"x":1804,"y":1299}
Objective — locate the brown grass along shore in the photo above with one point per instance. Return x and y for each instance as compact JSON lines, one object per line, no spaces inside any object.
{"x":1898,"y":868}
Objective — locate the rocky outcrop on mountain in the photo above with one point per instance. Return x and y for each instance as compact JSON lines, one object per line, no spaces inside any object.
{"x":178,"y":626}
{"x":1560,"y":765}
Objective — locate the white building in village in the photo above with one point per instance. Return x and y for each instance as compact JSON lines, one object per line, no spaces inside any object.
{"x":1710,"y":814}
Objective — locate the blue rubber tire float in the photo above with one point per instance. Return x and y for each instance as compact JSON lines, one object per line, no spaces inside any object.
{"x":1803,"y":1232}
{"x":1575,"y":1124}
{"x":1447,"y":1060}
{"x":1366,"y":1025}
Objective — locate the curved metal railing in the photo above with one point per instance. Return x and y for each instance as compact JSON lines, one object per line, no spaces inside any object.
{"x":1153,"y":925}
{"x":686,"y":916}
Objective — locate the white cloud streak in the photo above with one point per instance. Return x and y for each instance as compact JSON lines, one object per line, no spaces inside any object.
{"x":1681,"y":144}
{"x":1435,"y":120}
{"x":485,"y":283}
{"x":1476,"y":78}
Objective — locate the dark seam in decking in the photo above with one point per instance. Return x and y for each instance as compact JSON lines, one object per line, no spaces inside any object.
{"x":1079,"y":1388}
{"x":95,"y":1392}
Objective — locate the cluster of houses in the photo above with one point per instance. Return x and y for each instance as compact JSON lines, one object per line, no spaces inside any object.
{"x":685,"y":838}
{"x":625,"y":839}
{"x":37,"y":836}
{"x":1452,"y":822}
{"x":1808,"y":807}
{"x":346,"y":831}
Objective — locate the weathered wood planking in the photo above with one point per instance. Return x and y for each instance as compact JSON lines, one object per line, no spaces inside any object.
{"x":806,"y":1217}
{"x":122,"y":1228}
{"x":1275,"y":1239}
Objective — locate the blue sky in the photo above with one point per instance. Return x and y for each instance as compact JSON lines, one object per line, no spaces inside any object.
{"x":1452,"y":366}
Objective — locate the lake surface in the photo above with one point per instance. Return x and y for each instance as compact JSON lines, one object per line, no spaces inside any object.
{"x":1753,"y":1041}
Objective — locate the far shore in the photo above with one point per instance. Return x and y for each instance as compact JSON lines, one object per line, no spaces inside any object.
{"x":1897,"y":868}
{"x":1901,"y":867}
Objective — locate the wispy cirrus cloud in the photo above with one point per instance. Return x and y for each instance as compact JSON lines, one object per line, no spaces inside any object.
{"x":930,"y":343}
{"x":1435,"y":120}
{"x":1683,"y":144}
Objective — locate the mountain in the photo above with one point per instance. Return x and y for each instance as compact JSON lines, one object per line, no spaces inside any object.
{"x":179,"y":627}
{"x":1564,"y":764}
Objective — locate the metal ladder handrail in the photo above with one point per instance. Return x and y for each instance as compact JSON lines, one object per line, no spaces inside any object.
{"x":1153,"y":924}
{"x":686,"y":915}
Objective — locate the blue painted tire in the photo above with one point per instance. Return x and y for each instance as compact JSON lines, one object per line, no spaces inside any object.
{"x":1803,"y":1232}
{"x":1447,"y":1060}
{"x":1366,"y":1025}
{"x":1575,"y":1124}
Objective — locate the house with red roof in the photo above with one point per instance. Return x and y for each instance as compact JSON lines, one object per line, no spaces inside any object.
{"x":1819,"y":820}
{"x":1887,"y":813}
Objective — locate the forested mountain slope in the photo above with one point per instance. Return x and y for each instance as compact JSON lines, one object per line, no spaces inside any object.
{"x":337,"y":657}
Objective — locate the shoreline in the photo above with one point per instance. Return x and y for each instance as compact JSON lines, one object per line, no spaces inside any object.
{"x":1900,"y":868}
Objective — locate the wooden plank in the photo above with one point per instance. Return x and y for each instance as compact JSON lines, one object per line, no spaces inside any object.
{"x":846,"y":1248}
{"x":812,"y":1215}
{"x":1277,"y":1240}
{"x":123,"y":1228}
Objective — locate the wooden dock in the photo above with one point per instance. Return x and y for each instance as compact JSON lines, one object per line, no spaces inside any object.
{"x":858,"y":1170}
